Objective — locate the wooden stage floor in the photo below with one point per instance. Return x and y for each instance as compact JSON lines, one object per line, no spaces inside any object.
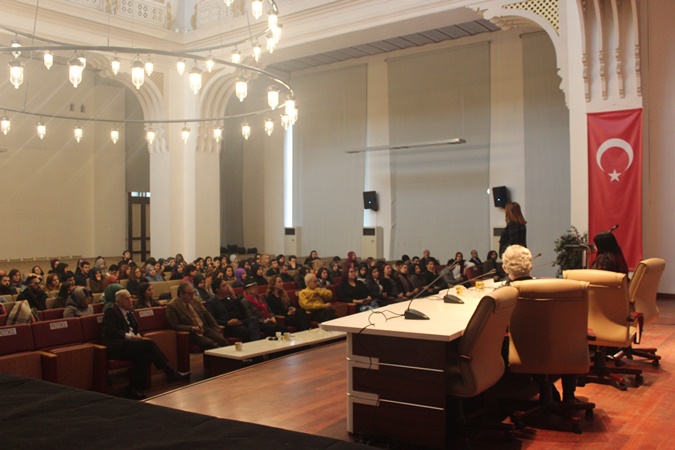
{"x":306,"y":392}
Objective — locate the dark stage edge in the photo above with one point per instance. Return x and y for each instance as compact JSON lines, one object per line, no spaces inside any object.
{"x":37,"y":414}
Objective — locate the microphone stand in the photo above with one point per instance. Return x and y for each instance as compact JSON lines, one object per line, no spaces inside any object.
{"x":413,"y":314}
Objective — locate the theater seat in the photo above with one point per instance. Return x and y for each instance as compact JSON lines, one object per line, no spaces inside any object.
{"x":18,"y":355}
{"x":79,"y":364}
{"x":152,"y":324}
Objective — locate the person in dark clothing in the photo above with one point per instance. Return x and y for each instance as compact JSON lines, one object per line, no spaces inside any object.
{"x":278,"y":301}
{"x":120,"y":336}
{"x":82,"y":273}
{"x":37,"y":298}
{"x":228,"y":311}
{"x":609,"y":257}
{"x":515,"y":232}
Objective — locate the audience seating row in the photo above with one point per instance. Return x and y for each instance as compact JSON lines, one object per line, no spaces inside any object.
{"x":68,"y":351}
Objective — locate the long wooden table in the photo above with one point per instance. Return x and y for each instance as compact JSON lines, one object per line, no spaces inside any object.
{"x":396,"y":367}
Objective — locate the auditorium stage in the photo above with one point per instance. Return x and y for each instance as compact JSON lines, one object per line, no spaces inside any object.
{"x":303,"y":392}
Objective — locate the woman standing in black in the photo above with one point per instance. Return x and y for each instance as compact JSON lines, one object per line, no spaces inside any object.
{"x":515,"y":232}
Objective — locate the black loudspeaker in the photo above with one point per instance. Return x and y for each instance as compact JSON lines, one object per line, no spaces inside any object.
{"x":370,"y":200}
{"x":500,"y":194}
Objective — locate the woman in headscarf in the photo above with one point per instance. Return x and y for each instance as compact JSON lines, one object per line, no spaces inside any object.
{"x":109,"y":295}
{"x":177,"y":272}
{"x":240,"y":277}
{"x":151,"y":274}
{"x":96,"y":281}
{"x":78,"y":303}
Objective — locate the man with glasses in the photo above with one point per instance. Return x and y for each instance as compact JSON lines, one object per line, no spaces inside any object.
{"x":184,"y":313}
{"x":37,"y":298}
{"x":314,"y":300}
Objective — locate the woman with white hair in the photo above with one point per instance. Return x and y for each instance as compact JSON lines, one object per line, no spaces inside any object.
{"x":517,"y":263}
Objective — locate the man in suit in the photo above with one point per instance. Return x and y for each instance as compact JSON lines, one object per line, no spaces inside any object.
{"x":228,"y":311}
{"x":184,"y":313}
{"x":121,"y":337}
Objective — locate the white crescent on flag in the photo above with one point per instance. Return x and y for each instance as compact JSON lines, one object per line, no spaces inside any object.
{"x":611,"y":143}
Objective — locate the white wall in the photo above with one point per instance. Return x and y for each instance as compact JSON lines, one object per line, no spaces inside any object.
{"x":658,"y":52}
{"x":60,"y":197}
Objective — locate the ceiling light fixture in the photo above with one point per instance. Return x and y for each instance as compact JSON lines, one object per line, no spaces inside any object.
{"x":140,"y":68}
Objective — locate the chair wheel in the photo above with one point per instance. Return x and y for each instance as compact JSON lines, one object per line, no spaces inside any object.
{"x":639,"y":380}
{"x":622,"y":386}
{"x":589,"y":414}
{"x":656,"y":363}
{"x":576,"y":428}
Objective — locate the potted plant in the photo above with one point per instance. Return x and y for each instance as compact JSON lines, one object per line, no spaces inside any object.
{"x":567,"y":259}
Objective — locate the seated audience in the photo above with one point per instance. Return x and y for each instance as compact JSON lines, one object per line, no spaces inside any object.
{"x":96,"y":281}
{"x":300,"y":277}
{"x":240,"y":276}
{"x":609,"y":256}
{"x":64,"y":292}
{"x":257,"y":271}
{"x":492,"y":264}
{"x":228,"y":274}
{"x":79,"y":303}
{"x":404,"y":282}
{"x":5,"y":286}
{"x":82,"y":273}
{"x":184,"y":313}
{"x":274,"y":268}
{"x":258,"y":308}
{"x":283,"y":273}
{"x":122,"y":340}
{"x":352,"y":290}
{"x":293,"y":263}
{"x":15,"y":279}
{"x":145,"y":297}
{"x":229,"y":312}
{"x":334,"y":270}
{"x":135,"y":280}
{"x":52,"y":282}
{"x":151,"y":274}
{"x":189,"y":274}
{"x":37,"y":270}
{"x":323,"y":277}
{"x":313,"y":255}
{"x":109,"y":295}
{"x":37,"y":298}
{"x":429,"y":274}
{"x":375,"y":287}
{"x":389,"y":286}
{"x":313,"y":299}
{"x":203,"y":288}
{"x":475,"y":260}
{"x":459,"y":265}
{"x":278,"y":301}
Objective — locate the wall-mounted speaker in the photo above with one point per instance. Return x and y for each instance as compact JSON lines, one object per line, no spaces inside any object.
{"x":370,"y":200}
{"x":500,"y":194}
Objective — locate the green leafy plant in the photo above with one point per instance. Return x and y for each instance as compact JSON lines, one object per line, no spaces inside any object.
{"x":569,"y":259}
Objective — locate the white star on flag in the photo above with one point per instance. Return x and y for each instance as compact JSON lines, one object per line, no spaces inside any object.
{"x":614,"y":176}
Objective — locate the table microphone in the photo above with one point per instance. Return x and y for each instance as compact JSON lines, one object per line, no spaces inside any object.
{"x":449,"y":298}
{"x":414,"y":314}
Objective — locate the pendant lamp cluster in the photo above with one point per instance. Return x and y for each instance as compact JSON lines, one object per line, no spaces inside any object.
{"x":141,"y":65}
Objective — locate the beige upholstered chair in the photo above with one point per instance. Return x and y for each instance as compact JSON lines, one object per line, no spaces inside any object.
{"x":478,"y":364}
{"x":610,"y":319}
{"x":642,"y":293}
{"x":549,"y":337}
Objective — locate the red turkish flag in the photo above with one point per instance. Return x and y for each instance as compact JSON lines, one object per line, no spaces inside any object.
{"x":615,"y":178}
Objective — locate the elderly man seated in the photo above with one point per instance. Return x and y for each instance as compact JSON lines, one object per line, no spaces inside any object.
{"x":313,"y":300}
{"x":184,"y":313}
{"x":120,"y":336}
